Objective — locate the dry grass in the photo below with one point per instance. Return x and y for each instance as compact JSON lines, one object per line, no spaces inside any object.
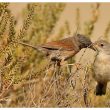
{"x":26,"y":80}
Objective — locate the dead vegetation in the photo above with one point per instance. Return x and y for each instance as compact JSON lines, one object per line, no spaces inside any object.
{"x":25,"y":79}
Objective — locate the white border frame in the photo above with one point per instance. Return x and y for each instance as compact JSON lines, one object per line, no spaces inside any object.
{"x":55,"y":1}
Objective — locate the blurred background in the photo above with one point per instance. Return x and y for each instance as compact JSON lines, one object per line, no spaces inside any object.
{"x":25,"y":79}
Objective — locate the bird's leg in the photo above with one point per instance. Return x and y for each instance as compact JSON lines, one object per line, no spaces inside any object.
{"x":101,"y":88}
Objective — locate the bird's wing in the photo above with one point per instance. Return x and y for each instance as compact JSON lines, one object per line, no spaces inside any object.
{"x":64,"y":44}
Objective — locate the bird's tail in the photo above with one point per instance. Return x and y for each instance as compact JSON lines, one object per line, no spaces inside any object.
{"x":26,"y":44}
{"x":101,"y":88}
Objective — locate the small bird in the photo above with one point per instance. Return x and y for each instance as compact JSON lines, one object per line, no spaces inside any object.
{"x":64,"y":49}
{"x":101,"y":66}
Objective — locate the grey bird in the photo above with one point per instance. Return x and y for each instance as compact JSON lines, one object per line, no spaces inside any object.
{"x":63,"y":49}
{"x":101,"y":66}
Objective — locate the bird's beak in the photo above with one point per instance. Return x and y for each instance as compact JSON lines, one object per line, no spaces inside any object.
{"x":92,"y":46}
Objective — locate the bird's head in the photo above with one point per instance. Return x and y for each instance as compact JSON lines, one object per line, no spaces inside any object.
{"x":102,"y":46}
{"x":84,"y":42}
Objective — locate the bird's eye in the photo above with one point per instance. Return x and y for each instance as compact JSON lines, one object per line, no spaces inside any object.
{"x":101,"y":45}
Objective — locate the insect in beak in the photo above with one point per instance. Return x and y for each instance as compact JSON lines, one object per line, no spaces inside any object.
{"x":92,"y":47}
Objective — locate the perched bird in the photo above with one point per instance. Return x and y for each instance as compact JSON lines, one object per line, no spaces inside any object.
{"x":64,"y":49}
{"x":101,"y":66}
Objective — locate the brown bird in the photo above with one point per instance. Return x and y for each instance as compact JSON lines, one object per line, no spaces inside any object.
{"x":64,"y":49}
{"x":101,"y":67}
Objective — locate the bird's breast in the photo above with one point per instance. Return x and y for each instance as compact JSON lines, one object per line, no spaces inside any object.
{"x":102,"y":67}
{"x":103,"y":58}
